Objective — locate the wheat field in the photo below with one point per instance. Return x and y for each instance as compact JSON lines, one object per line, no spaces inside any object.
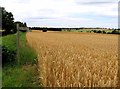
{"x":71,"y":59}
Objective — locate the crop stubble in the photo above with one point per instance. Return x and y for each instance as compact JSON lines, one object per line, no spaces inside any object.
{"x":69,"y":59}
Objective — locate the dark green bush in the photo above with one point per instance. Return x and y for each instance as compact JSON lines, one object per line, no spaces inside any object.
{"x":115,"y":32}
{"x":7,"y":55}
{"x":44,"y":30}
{"x":103,"y":32}
{"x":99,"y":31}
{"x":94,"y":31}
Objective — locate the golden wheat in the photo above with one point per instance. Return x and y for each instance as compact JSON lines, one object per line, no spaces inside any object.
{"x":76,"y":59}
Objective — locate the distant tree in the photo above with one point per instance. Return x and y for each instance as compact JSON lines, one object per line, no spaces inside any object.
{"x":21,"y":24}
{"x":103,"y":32}
{"x":99,"y":31}
{"x":69,"y":29}
{"x":7,"y":20}
{"x":44,"y":30}
{"x":115,"y":31}
{"x":25,"y":25}
{"x":94,"y":31}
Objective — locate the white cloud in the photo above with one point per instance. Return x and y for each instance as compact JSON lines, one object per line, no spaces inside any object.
{"x":50,"y":11}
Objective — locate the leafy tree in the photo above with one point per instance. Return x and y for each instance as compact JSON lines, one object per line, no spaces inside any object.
{"x":99,"y":31}
{"x":94,"y":31}
{"x":115,"y":31}
{"x":103,"y":32}
{"x":44,"y":30}
{"x":7,"y":21}
{"x":25,"y":24}
{"x":69,"y":29}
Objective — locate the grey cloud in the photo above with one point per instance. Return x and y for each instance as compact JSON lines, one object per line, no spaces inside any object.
{"x":94,"y":3}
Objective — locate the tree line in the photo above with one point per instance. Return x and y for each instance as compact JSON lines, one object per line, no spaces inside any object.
{"x":45,"y":28}
{"x":68,"y":29}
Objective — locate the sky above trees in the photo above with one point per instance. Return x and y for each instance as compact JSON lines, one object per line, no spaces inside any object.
{"x":64,"y":13}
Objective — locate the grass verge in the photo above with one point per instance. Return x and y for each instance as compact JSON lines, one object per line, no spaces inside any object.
{"x":25,"y":74}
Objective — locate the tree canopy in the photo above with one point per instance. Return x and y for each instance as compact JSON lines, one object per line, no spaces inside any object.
{"x":8,"y":23}
{"x":7,"y":20}
{"x":21,"y":24}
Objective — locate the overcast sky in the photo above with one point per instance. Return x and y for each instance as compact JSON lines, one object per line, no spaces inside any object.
{"x":64,"y":13}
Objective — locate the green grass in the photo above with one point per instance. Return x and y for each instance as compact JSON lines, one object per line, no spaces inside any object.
{"x":9,"y":42}
{"x":25,"y":74}
{"x":20,"y":76}
{"x":81,"y":30}
{"x":27,"y":55}
{"x":86,"y":30}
